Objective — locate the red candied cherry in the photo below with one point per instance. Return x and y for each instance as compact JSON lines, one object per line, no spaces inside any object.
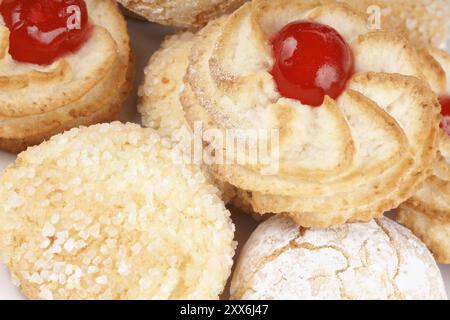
{"x":312,"y":60}
{"x":42,"y":31}
{"x":445,"y":111}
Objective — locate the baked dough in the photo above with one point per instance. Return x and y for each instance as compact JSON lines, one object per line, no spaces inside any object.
{"x":351,"y":159}
{"x":427,"y":213}
{"x":104,"y":213}
{"x":159,"y":101}
{"x":181,"y":13}
{"x":375,"y":260}
{"x":425,"y":22}
{"x":86,"y":87}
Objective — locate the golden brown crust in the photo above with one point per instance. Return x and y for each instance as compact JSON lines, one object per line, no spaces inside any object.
{"x":350,"y":160}
{"x":77,"y":90}
{"x":432,"y":231}
{"x":425,"y":22}
{"x":18,"y":145}
{"x":159,"y":99}
{"x":427,"y":212}
{"x":182,"y":13}
{"x":290,"y":193}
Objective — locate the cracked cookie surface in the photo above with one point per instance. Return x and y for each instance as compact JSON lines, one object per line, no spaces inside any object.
{"x":375,"y":260}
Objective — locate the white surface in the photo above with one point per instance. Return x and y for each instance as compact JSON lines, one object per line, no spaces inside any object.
{"x":146,"y":38}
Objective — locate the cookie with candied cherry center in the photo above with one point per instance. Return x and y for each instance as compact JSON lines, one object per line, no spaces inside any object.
{"x":62,"y":64}
{"x":357,"y":122}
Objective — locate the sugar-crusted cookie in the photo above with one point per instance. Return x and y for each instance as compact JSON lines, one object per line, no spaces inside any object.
{"x":159,"y":103}
{"x":182,"y":13}
{"x":84,"y":87}
{"x":104,"y":213}
{"x":159,"y":100}
{"x":353,"y":158}
{"x":375,"y":260}
{"x":427,"y":213}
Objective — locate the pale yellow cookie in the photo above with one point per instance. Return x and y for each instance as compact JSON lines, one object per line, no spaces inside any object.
{"x":425,"y":22}
{"x":181,"y":13}
{"x":434,"y":232}
{"x":105,"y":212}
{"x":351,"y":159}
{"x":375,"y":260}
{"x":82,"y":88}
{"x":427,"y":213}
{"x":159,"y":99}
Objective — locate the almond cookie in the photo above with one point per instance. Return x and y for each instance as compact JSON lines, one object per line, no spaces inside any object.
{"x":379,"y":259}
{"x":181,"y":13}
{"x":79,"y":74}
{"x":105,"y":213}
{"x":424,"y":22}
{"x":427,"y":213}
{"x":347,"y":158}
{"x":159,"y":102}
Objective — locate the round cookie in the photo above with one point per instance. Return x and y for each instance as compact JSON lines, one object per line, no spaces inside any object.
{"x":181,"y":13}
{"x":375,"y":260}
{"x":349,"y":160}
{"x":104,"y":213}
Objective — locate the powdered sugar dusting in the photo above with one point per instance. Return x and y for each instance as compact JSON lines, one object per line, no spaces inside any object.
{"x":375,"y":260}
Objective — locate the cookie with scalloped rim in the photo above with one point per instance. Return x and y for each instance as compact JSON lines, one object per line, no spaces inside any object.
{"x":166,"y":79}
{"x":425,"y":22}
{"x":427,"y":213}
{"x":329,"y":176}
{"x":82,"y":88}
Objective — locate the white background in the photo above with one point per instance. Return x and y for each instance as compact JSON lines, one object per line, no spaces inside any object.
{"x":146,"y":38}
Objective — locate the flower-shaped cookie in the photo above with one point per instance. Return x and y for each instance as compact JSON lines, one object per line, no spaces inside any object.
{"x":421,"y":21}
{"x":352,"y":158}
{"x":427,"y":213}
{"x":85,"y":86}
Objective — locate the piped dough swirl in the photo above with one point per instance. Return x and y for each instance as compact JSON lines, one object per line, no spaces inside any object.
{"x":427,"y":213}
{"x":84,"y":87}
{"x":350,"y":159}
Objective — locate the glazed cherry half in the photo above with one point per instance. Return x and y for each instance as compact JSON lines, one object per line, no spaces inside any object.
{"x":42,"y":31}
{"x":312,"y":60}
{"x":445,"y":111}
